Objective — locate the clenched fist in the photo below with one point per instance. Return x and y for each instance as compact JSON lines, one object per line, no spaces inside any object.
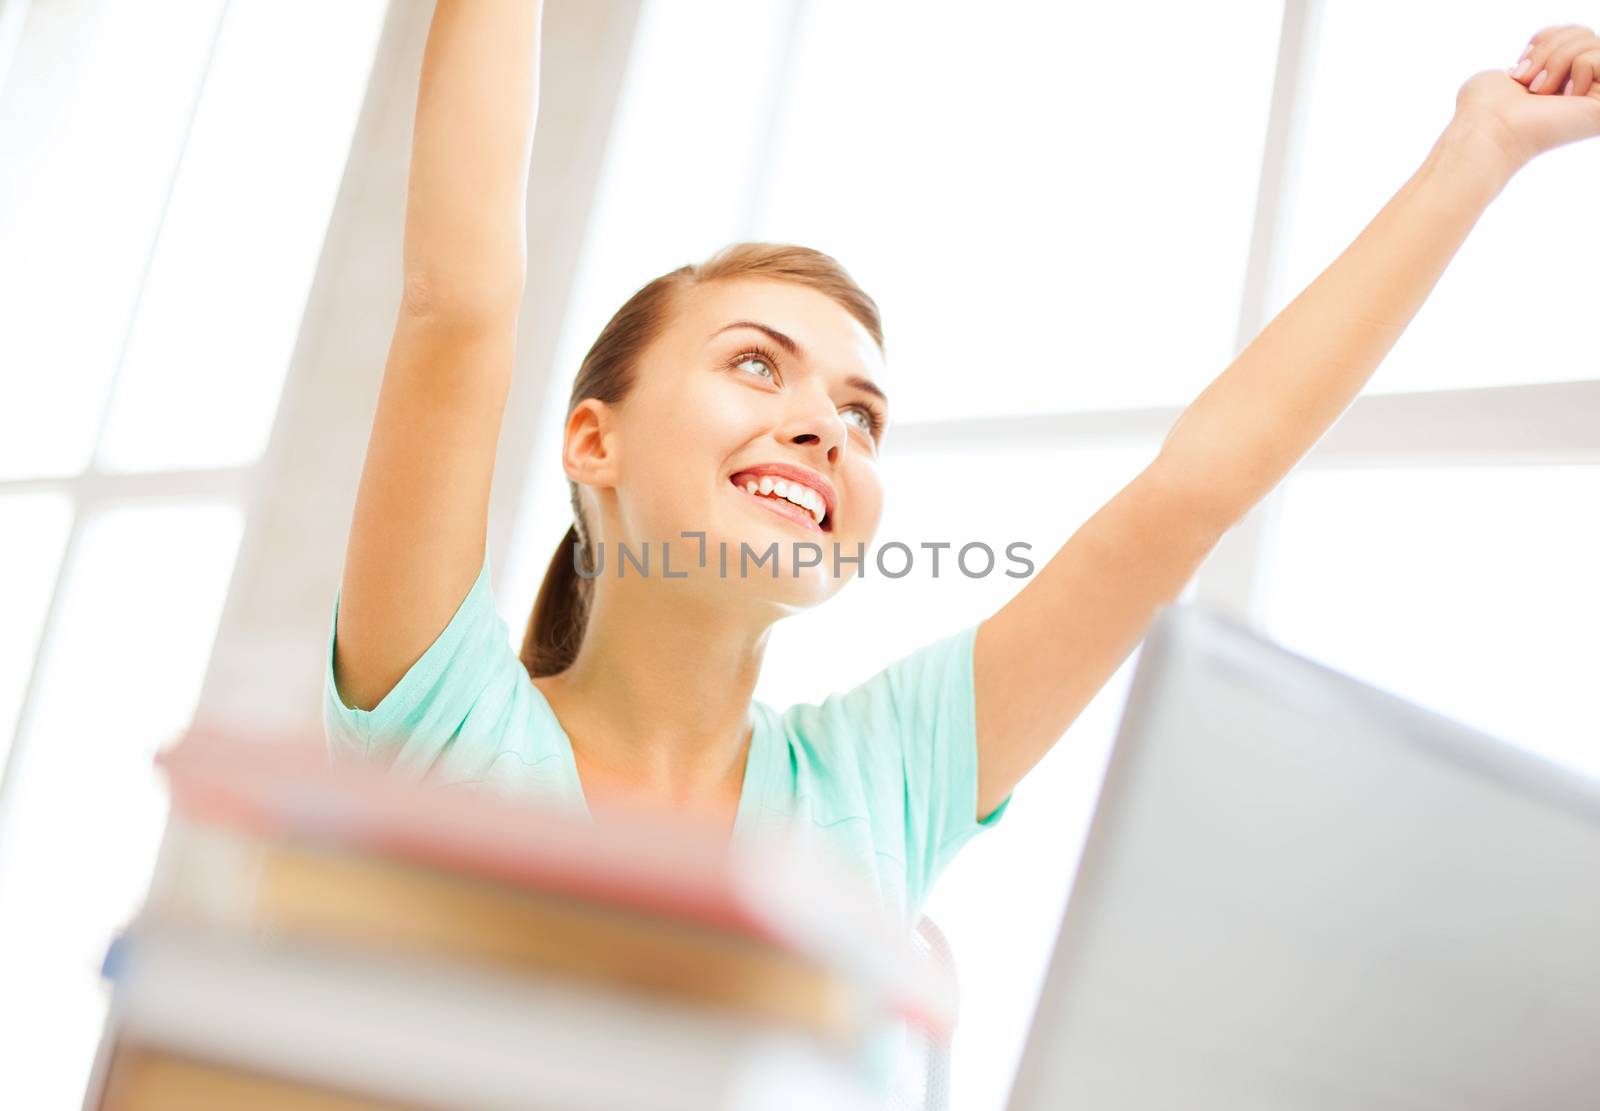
{"x":1551,"y":97}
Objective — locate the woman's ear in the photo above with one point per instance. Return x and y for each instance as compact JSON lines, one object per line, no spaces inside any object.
{"x":588,"y":451}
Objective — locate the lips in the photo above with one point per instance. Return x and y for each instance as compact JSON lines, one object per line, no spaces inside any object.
{"x":791,"y":472}
{"x":783,"y":507}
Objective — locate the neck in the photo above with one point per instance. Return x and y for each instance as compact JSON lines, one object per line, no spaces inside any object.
{"x":657,"y":699}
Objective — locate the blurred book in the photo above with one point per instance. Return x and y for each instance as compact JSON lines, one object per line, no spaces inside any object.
{"x":328,"y":937}
{"x":221,"y":1021}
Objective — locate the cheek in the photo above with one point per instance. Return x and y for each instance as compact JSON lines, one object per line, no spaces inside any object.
{"x":681,"y":499}
{"x":664,"y":489}
{"x":868,"y":501}
{"x":673,"y":458}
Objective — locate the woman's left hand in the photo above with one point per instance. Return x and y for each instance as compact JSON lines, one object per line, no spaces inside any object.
{"x":1551,"y":97}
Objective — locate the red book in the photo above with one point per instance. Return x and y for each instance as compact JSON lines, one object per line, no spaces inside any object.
{"x":646,"y":860}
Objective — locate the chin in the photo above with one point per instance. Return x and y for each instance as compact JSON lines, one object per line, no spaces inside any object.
{"x":793,"y":595}
{"x":811,"y":587}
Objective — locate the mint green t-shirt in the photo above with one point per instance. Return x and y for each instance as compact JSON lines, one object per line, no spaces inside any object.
{"x":885,"y":772}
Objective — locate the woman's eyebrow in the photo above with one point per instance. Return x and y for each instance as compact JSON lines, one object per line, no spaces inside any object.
{"x":865,"y":385}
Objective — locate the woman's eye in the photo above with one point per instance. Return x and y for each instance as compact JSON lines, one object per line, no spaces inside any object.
{"x":757,"y":359}
{"x":863,"y":419}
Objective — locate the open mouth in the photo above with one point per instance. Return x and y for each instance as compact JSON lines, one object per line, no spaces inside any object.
{"x":783,"y":504}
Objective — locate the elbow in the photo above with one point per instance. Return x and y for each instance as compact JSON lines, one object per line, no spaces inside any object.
{"x":431,"y":294}
{"x":1198,"y":495}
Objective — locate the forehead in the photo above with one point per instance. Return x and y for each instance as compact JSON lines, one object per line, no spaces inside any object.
{"x":831,"y":338}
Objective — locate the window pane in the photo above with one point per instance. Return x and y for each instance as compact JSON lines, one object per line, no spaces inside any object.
{"x":683,"y":157}
{"x":1376,"y":104}
{"x":229,"y":277}
{"x":680,"y":170}
{"x":33,"y":530}
{"x":85,"y":809}
{"x":1469,"y":590}
{"x":1001,"y":900}
{"x":92,"y":119}
{"x":1045,"y":220}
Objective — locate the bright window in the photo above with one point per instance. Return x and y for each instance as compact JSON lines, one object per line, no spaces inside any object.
{"x":78,"y":837}
{"x":166,"y":176}
{"x":34,"y":531}
{"x":1047,"y":220}
{"x":92,"y":120}
{"x":1377,"y":100}
{"x":1470,"y":590}
{"x":249,"y":208}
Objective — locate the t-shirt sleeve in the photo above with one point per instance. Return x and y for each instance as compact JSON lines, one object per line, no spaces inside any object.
{"x":447,"y":718}
{"x":933,"y":699}
{"x":909,"y":735}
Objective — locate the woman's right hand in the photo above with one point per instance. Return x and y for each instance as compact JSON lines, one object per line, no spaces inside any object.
{"x":1550,"y":98}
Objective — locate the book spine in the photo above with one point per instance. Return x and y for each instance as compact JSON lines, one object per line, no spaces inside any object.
{"x":230,"y":882}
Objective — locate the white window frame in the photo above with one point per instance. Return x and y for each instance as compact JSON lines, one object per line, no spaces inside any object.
{"x":93,"y":490}
{"x":1553,"y":423}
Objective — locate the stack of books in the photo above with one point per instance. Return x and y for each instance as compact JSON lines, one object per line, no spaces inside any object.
{"x":324,"y":937}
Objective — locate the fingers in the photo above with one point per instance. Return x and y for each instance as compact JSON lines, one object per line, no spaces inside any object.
{"x":1559,"y":65}
{"x":1547,"y":62}
{"x":1585,"y":72}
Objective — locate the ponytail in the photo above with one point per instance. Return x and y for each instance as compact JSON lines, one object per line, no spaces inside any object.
{"x":561,"y":611}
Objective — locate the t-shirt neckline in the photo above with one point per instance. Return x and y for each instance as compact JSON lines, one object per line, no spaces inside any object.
{"x":755,"y":765}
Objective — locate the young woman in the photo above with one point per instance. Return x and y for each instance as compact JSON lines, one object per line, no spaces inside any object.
{"x":709,"y":388}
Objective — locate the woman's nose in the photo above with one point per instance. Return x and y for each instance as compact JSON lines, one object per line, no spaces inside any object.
{"x":818,"y":424}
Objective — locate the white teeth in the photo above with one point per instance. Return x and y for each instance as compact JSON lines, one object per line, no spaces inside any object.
{"x":809,"y":500}
{"x":793,"y":492}
{"x":813,"y":501}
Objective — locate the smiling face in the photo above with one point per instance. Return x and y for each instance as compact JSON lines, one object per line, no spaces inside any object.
{"x":714,"y":405}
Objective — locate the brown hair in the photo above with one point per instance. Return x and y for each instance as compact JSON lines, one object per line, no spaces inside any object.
{"x":561,"y":611}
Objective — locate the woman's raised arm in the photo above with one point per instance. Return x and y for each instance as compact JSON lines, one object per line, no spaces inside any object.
{"x":421,"y":515}
{"x":1042,"y":657}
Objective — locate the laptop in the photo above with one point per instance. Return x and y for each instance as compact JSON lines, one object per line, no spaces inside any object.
{"x":1301,"y":892}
